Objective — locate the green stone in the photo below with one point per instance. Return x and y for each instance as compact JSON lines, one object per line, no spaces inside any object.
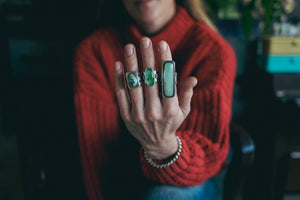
{"x":132,"y":80}
{"x":149,"y":78}
{"x":169,"y":79}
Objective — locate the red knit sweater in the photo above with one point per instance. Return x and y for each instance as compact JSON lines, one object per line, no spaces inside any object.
{"x":110,"y":157}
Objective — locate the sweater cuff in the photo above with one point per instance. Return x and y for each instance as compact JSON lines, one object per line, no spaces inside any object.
{"x":169,"y":175}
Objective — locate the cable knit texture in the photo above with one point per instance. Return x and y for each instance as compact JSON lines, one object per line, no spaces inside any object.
{"x":112,"y":159}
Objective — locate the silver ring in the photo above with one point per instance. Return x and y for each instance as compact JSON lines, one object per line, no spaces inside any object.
{"x":133,"y":79}
{"x":150,"y":76}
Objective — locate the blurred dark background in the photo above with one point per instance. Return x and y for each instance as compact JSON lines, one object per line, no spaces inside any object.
{"x":39,"y":155}
{"x":38,"y":144}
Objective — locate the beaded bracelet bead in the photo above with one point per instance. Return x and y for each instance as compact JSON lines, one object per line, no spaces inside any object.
{"x":164,"y":165}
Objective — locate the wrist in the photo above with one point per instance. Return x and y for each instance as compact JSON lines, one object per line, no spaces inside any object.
{"x":167,"y":162}
{"x":164,"y":149}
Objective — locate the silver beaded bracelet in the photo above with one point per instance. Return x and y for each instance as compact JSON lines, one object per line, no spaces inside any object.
{"x":164,"y":165}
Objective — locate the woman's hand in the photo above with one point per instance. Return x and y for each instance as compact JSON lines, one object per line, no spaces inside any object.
{"x":152,"y":120}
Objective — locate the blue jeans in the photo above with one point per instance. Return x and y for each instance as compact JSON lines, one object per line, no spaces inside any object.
{"x":212,"y":189}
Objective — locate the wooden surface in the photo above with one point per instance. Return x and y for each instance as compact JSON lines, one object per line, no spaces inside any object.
{"x":281,"y":45}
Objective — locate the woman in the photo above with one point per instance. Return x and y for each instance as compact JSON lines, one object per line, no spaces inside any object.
{"x":141,"y":141}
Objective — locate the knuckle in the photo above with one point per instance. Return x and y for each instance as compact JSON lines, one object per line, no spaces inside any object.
{"x":186,"y":110}
{"x":138,"y":119}
{"x":153,"y":116}
{"x":171,"y":112}
{"x":119,"y":94}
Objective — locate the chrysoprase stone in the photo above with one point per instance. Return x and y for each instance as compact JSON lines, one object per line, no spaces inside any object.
{"x":132,"y":80}
{"x":169,"y":81}
{"x":149,"y":78}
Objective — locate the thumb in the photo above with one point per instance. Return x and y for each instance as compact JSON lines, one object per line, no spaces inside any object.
{"x":185,"y":94}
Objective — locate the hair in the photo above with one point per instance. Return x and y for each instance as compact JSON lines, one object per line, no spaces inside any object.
{"x":106,"y":17}
{"x":196,"y":8}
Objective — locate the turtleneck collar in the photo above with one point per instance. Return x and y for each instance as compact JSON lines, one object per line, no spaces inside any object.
{"x":172,"y":33}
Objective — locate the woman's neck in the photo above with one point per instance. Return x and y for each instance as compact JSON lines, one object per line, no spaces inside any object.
{"x":154,"y":26}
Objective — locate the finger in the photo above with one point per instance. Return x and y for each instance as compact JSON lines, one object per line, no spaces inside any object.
{"x":185,"y":95}
{"x":151,"y":91}
{"x":164,"y":54}
{"x":131,"y":65}
{"x":121,"y":91}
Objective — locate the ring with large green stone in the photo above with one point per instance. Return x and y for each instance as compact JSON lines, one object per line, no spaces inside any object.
{"x":168,"y":79}
{"x":133,"y":79}
{"x":150,"y":76}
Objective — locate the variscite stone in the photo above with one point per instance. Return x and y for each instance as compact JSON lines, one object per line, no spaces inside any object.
{"x":132,"y":80}
{"x":168,"y":79}
{"x":149,"y":77}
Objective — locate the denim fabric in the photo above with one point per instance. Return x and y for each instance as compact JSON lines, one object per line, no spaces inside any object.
{"x":212,"y":189}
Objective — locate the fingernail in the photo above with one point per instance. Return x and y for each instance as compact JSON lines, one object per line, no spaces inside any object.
{"x":129,"y":50}
{"x":145,"y":42}
{"x":163,"y":46}
{"x":118,"y":67}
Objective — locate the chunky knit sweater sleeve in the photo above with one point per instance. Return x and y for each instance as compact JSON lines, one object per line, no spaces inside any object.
{"x":205,"y":132}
